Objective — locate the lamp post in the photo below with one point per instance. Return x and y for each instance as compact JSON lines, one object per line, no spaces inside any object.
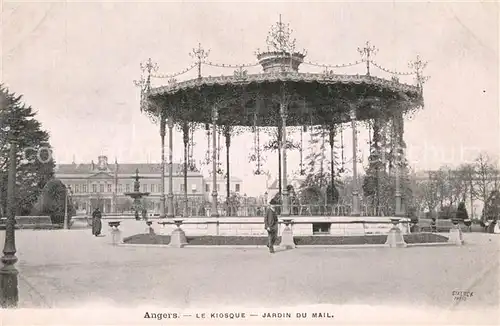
{"x":9,"y":294}
{"x":68,"y":191}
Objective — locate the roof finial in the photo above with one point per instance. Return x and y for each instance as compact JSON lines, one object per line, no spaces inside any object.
{"x":367,"y":52}
{"x":200,"y":55}
{"x":279,"y":37}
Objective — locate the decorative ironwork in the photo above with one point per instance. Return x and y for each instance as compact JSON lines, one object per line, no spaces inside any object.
{"x":225,"y":65}
{"x":199,"y":54}
{"x":328,"y":74}
{"x":192,"y":100}
{"x":366,"y":53}
{"x":220,"y":171}
{"x":240,"y":74}
{"x":191,"y":143}
{"x":342,"y":156}
{"x":316,"y":64}
{"x":418,"y":66}
{"x":208,"y":153}
{"x":144,"y":83}
{"x":280,"y":38}
{"x":392,"y":72}
{"x":165,"y":76}
{"x":301,"y":150}
{"x":149,"y":66}
{"x":172,"y":82}
{"x":276,"y":76}
{"x":257,"y":155}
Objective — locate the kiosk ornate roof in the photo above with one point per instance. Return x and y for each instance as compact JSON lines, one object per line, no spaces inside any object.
{"x":320,"y":92}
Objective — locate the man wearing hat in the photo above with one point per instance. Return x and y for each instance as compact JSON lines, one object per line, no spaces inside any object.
{"x":271,"y":225}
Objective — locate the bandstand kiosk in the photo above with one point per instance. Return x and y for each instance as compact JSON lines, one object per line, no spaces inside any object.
{"x":278,"y":96}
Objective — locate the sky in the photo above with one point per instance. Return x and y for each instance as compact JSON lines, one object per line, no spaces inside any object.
{"x":75,"y":63}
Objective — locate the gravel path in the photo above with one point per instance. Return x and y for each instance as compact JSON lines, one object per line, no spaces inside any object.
{"x":68,"y":268}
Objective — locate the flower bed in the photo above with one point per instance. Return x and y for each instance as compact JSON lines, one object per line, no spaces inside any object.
{"x":299,"y":240}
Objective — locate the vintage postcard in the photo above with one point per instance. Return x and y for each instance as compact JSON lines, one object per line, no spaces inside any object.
{"x":174,"y":163}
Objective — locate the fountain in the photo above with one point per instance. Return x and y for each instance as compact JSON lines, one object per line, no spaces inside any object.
{"x":136,"y":195}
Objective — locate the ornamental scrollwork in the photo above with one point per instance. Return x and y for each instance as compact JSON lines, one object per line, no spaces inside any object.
{"x":240,"y":74}
{"x":172,"y":83}
{"x":328,"y":74}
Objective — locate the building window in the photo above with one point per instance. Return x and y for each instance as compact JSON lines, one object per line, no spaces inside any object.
{"x":153,"y":188}
{"x":120,"y":188}
{"x":207,"y":187}
{"x":144,"y":188}
{"x":109,"y":187}
{"x":101,"y":187}
{"x":127,"y":188}
{"x":237,"y":187}
{"x":193,"y":188}
{"x":84,"y":188}
{"x":181,"y":187}
{"x":94,"y":187}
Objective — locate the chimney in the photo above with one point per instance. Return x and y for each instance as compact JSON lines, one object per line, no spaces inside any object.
{"x":102,"y":162}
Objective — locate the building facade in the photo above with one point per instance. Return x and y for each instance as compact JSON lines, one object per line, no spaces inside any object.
{"x":104,"y":185}
{"x":235,"y":186}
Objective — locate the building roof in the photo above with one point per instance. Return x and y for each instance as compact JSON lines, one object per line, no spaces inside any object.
{"x":123,"y":168}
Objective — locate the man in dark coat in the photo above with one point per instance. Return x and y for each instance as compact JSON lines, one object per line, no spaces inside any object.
{"x":271,"y":225}
{"x":96,"y":222}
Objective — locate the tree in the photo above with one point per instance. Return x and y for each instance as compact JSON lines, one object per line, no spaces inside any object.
{"x":466,"y":173}
{"x":485,"y":172}
{"x":52,"y":201}
{"x":427,"y":191}
{"x":35,"y":165}
{"x":312,"y":195}
{"x":492,"y":207}
{"x":274,"y":145}
{"x":462,"y":212}
{"x":233,"y":203}
{"x":123,"y":204}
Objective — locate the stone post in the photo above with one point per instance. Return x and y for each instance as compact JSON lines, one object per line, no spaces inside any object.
{"x":215,"y":116}
{"x":115,"y":232}
{"x":287,"y":235}
{"x":395,"y":237}
{"x":456,"y":237}
{"x":178,"y":237}
{"x":170,"y":212}
{"x":355,"y":191}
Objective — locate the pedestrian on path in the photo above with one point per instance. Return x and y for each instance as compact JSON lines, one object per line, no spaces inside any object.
{"x":96,"y":222}
{"x":271,"y":225}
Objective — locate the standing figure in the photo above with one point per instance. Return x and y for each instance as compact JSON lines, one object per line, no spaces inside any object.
{"x":271,"y":225}
{"x":96,"y":222}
